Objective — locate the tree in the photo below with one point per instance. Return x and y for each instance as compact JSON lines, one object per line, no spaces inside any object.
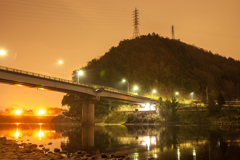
{"x":74,"y":103}
{"x":169,"y":109}
{"x":220,"y":99}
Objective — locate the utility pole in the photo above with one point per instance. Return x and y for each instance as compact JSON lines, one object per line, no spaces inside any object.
{"x":136,"y":23}
{"x":173,"y":37}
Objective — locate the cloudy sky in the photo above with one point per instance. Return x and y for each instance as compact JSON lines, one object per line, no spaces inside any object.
{"x":38,"y":33}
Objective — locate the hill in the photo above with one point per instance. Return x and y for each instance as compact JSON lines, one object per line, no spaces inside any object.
{"x":167,"y":65}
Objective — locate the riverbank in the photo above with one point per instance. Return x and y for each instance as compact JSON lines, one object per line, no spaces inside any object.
{"x":26,"y":119}
{"x":146,"y":118}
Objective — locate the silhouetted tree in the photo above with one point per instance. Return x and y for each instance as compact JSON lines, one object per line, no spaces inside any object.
{"x":169,"y":109}
{"x":220,"y":99}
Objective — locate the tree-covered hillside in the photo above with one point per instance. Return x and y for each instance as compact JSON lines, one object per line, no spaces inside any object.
{"x":167,"y":65}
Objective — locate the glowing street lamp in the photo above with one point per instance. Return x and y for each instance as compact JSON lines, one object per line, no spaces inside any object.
{"x":61,"y":62}
{"x":80,"y":73}
{"x":153,"y":91}
{"x":135,"y":88}
{"x":176,"y":94}
{"x":124,"y":80}
{"x":192,"y":95}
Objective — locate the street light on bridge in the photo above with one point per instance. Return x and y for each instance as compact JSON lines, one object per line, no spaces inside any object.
{"x":153,"y":91}
{"x":61,"y":62}
{"x":124,"y":80}
{"x":176,"y":94}
{"x":135,"y":88}
{"x":80,"y":73}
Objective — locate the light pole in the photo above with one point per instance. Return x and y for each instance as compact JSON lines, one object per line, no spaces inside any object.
{"x":80,"y":73}
{"x":153,"y":91}
{"x":176,"y":94}
{"x":192,"y":95}
{"x":135,"y":88}
{"x":124,"y":80}
{"x":61,"y":62}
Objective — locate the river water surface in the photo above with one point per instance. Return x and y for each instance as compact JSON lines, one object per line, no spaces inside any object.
{"x":175,"y":142}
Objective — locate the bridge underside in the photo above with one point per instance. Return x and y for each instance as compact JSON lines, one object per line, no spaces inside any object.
{"x":37,"y":86}
{"x":92,"y":92}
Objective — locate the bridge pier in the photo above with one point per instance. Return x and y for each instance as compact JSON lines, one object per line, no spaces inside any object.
{"x":88,"y":114}
{"x":88,"y":138}
{"x":88,"y":109}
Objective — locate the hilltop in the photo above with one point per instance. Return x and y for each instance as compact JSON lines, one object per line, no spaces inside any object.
{"x":167,"y":65}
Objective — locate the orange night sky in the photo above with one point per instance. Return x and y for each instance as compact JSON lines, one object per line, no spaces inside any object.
{"x":38,"y":33}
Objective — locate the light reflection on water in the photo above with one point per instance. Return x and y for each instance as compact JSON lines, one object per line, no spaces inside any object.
{"x":37,"y":133}
{"x":160,"y":142}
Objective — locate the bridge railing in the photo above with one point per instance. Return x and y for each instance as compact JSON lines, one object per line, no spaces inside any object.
{"x":67,"y":81}
{"x":44,"y":76}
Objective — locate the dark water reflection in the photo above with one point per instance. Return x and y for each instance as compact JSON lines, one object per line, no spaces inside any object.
{"x":190,"y":142}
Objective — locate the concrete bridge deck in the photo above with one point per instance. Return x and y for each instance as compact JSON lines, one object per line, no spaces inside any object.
{"x":44,"y":82}
{"x":90,"y":93}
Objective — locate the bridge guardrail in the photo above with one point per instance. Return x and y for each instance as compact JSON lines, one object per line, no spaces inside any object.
{"x":67,"y":81}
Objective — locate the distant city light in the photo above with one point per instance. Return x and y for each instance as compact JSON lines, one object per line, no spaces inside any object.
{"x":18,"y":112}
{"x":147,"y":107}
{"x":135,"y":88}
{"x":41,"y":112}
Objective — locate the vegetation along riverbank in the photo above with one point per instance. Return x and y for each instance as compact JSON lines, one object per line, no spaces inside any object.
{"x":191,"y":84}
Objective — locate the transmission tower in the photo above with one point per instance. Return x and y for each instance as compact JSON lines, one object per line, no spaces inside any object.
{"x":173,"y":37}
{"x":135,"y":23}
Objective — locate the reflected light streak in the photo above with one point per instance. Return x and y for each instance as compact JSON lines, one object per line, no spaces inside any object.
{"x":178,"y":153}
{"x":135,"y":156}
{"x":40,"y":134}
{"x":148,"y":141}
{"x":17,"y":134}
{"x":194,"y":153}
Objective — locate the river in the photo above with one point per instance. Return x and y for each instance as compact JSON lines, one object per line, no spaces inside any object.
{"x":171,"y":142}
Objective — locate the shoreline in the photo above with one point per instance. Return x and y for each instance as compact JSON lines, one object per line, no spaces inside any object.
{"x":10,"y":149}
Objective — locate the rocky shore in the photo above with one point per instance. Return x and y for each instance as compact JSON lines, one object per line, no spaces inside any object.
{"x":11,"y":150}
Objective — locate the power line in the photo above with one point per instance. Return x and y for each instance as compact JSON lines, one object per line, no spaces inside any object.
{"x":58,"y":7}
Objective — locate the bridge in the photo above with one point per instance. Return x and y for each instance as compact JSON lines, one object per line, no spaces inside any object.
{"x":89,"y":94}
